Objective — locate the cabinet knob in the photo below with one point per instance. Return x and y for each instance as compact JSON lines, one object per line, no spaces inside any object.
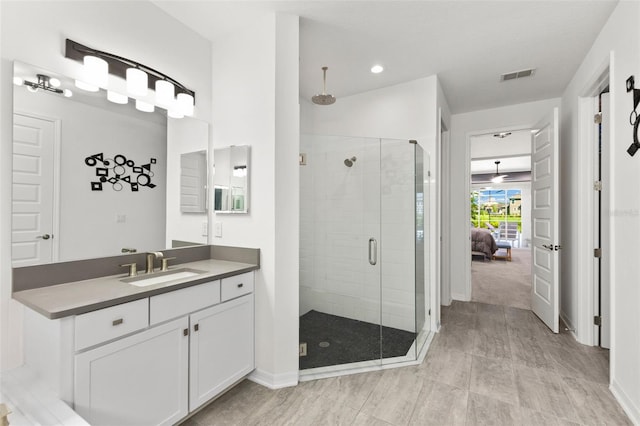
{"x":240,"y":285}
{"x":117,"y":322}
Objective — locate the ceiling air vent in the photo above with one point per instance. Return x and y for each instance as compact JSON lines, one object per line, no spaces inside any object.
{"x":517,"y":74}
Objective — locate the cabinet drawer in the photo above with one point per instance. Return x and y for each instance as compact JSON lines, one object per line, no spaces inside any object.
{"x":174,"y":304}
{"x":236,"y":286}
{"x":109,"y":323}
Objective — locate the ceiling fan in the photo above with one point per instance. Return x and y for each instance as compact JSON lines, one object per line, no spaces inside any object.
{"x":498,"y":178}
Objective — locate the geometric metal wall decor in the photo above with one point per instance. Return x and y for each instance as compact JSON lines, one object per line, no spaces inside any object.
{"x":119,"y":171}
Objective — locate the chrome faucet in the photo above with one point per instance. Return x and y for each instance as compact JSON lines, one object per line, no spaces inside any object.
{"x":151,"y":257}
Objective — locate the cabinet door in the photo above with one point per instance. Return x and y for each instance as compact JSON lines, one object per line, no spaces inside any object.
{"x":222,"y":346}
{"x":138,"y":380}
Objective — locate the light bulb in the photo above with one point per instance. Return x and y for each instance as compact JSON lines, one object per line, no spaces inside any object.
{"x":144,"y":106}
{"x":96,"y":71}
{"x":137,"y":82}
{"x":67,"y":93}
{"x":117,"y":98}
{"x":18,"y":81}
{"x":185,"y":103}
{"x":54,"y":82}
{"x":86,"y":86}
{"x":174,"y":113}
{"x":165,"y":92}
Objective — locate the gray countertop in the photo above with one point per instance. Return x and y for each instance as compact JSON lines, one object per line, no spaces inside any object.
{"x":78,"y":297}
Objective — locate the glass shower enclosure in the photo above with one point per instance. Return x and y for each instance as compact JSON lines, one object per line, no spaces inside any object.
{"x":363,"y":270}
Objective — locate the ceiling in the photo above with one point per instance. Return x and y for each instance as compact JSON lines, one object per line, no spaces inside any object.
{"x":507,"y":164}
{"x":467,"y":43}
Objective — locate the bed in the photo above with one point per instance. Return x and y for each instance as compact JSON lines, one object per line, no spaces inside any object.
{"x":483,"y":243}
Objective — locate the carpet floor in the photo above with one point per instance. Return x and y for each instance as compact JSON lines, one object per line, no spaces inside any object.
{"x":334,"y":340}
{"x":501,"y":282}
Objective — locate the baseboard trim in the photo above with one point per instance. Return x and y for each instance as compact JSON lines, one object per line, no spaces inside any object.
{"x":274,"y":381}
{"x":628,"y":404}
{"x":460,"y":297}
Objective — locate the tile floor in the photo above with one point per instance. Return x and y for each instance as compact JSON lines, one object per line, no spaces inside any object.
{"x":490,"y":364}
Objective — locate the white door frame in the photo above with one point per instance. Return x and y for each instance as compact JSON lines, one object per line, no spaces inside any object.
{"x":467,"y":187}
{"x":57,"y":137}
{"x":439,"y":291}
{"x":585,"y":330}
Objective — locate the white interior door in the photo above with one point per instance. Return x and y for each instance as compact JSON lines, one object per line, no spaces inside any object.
{"x":33,"y":219}
{"x":605,"y":260}
{"x":545,"y":220}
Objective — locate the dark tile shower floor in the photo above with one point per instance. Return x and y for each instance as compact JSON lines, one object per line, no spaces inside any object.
{"x":349,"y":340}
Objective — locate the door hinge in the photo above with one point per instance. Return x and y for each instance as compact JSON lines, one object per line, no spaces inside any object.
{"x":303,"y":349}
{"x":597,"y":118}
{"x":597,"y":320}
{"x":429,"y":312}
{"x":597,"y":252}
{"x":597,"y":185}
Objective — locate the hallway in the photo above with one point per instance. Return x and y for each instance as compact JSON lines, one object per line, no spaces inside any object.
{"x":490,"y":364}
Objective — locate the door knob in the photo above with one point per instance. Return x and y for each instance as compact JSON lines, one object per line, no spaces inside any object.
{"x":44,"y":237}
{"x":550,"y":247}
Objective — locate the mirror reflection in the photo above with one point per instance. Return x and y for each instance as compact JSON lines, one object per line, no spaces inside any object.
{"x":231,"y":179}
{"x":193,"y":182}
{"x":89,"y":176}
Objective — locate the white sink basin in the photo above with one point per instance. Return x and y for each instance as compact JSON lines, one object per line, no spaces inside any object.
{"x":162,"y":277}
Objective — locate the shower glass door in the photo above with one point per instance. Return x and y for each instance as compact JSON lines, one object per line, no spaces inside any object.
{"x":357,"y":252}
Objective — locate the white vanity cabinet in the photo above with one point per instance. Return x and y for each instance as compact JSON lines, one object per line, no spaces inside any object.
{"x":221,"y":351}
{"x":150,"y":361}
{"x":138,"y":380}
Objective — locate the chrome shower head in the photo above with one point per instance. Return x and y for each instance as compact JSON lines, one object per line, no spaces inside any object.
{"x":349,"y":161}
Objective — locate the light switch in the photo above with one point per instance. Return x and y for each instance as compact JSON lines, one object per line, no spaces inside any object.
{"x":205,"y":229}
{"x":121,"y":218}
{"x":218,"y":229}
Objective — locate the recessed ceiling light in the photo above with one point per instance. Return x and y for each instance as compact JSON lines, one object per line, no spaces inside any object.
{"x":377,"y":69}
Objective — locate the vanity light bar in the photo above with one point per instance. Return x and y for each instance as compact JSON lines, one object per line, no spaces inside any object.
{"x":118,"y":66}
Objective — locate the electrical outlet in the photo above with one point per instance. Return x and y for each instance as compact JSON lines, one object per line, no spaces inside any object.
{"x":303,"y":349}
{"x":121,"y":218}
{"x":217,"y":229}
{"x":205,"y":229}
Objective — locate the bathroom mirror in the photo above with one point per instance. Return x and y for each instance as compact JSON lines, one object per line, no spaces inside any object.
{"x":231,"y":179}
{"x":193,"y":182}
{"x":94,"y":178}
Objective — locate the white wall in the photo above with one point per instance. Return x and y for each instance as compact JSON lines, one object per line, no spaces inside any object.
{"x":255,"y":89}
{"x":34,"y":32}
{"x":185,"y":135}
{"x":520,"y":116}
{"x":620,"y":41}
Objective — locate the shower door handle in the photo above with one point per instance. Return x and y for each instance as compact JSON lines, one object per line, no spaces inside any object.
{"x":373,"y":251}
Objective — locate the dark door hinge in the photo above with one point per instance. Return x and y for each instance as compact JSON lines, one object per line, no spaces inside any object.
{"x":597,"y":320}
{"x":597,"y":252}
{"x":597,"y":118}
